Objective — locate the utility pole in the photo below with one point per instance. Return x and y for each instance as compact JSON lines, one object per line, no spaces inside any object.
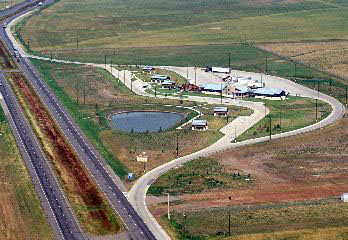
{"x":131,"y":83}
{"x":168,"y":208}
{"x":318,"y":87}
{"x":177,"y":144}
{"x":280,"y":121}
{"x":229,"y":62}
{"x":330,"y":85}
{"x":270,"y":128}
{"x":187,"y":73}
{"x":51,"y":56}
{"x":221,"y":95}
{"x":84,"y":92}
{"x":111,"y":66}
{"x":229,"y":223}
{"x":195,"y":76}
{"x":105,"y":61}
{"x":77,"y":91}
{"x":295,"y":70}
{"x":266,"y":65}
{"x":316,"y":110}
{"x":114,"y":56}
{"x":124,"y":77}
{"x":77,"y":41}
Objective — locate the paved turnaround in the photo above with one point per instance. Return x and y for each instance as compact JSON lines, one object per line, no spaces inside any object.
{"x":108,"y":182}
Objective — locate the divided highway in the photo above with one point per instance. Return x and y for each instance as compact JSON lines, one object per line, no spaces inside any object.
{"x":111,"y":186}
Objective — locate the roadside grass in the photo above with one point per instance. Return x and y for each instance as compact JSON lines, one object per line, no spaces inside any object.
{"x":198,"y":176}
{"x":22,"y":216}
{"x":154,"y":23}
{"x":88,"y":202}
{"x":91,"y":128}
{"x":287,"y":115}
{"x":261,"y":221}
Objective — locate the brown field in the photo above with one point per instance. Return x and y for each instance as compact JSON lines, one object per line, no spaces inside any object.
{"x":308,"y":167}
{"x":331,"y":56}
{"x":89,"y":204}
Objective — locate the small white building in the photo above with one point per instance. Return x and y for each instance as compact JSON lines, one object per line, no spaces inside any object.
{"x":344,"y":197}
{"x":220,"y":111}
{"x":200,"y":125}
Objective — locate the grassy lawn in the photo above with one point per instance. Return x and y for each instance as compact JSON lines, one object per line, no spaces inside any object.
{"x":198,"y":176}
{"x":287,"y":115}
{"x":21,"y":215}
{"x":268,"y":221}
{"x":105,"y":95}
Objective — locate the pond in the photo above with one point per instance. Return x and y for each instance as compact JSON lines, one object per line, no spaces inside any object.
{"x":143,"y":121}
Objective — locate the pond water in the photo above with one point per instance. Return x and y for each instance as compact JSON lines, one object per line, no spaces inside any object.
{"x":145,"y":121}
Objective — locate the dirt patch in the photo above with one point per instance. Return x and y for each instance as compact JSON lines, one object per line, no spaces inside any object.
{"x":305,"y":167}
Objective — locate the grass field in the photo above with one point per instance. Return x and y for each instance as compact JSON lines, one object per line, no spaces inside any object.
{"x":21,"y":215}
{"x":263,"y":220}
{"x":167,"y":23}
{"x":287,"y":115}
{"x":197,"y":176}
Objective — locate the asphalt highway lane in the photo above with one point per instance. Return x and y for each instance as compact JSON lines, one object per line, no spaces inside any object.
{"x":94,"y":163}
{"x":53,"y":201}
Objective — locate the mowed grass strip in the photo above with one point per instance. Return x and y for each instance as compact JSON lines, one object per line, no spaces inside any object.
{"x":287,"y":115}
{"x":21,"y":215}
{"x":89,"y":204}
{"x":262,"y":220}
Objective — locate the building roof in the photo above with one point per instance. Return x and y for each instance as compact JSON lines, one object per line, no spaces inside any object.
{"x":199,"y":123}
{"x":160,"y":77}
{"x":167,"y":82}
{"x":220,"y":70}
{"x":214,"y":87}
{"x":243,"y":89}
{"x":148,"y":68}
{"x":268,"y":91}
{"x":220,"y":109}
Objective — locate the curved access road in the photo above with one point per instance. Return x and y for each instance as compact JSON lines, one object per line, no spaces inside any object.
{"x":138,"y":192}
